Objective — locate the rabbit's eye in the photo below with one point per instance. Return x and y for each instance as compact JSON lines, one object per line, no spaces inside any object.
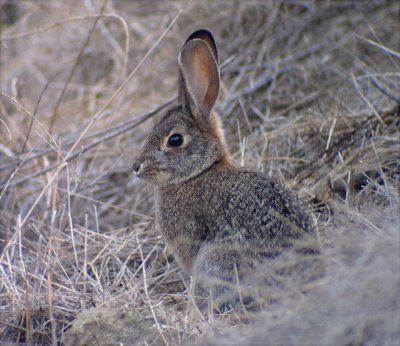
{"x":175,"y":140}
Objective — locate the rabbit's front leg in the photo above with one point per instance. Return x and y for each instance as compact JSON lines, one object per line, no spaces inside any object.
{"x":219,"y":276}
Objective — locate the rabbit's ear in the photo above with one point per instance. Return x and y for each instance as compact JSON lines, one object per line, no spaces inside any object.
{"x":205,"y":35}
{"x":199,"y":74}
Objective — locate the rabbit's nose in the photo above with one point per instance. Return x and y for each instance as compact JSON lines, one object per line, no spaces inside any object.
{"x":136,"y":166}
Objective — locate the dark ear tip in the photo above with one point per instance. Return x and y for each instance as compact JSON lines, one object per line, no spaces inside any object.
{"x":205,"y":35}
{"x":200,"y":34}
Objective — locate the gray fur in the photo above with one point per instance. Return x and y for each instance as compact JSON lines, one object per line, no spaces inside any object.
{"x":219,"y":220}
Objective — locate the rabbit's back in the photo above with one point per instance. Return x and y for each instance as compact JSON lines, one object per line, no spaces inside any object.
{"x":252,"y":205}
{"x":231,"y":205}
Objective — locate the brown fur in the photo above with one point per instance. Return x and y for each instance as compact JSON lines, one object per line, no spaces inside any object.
{"x":218,"y":219}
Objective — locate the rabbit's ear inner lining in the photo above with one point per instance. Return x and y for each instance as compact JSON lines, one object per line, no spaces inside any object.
{"x":206,"y":35}
{"x":199,"y":77}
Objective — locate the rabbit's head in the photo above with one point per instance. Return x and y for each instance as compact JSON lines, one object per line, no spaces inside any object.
{"x":189,"y":138}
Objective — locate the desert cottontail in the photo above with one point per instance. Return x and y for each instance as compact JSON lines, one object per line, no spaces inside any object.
{"x":216,"y":217}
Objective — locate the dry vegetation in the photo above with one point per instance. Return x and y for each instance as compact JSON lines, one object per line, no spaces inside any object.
{"x":310,"y":96}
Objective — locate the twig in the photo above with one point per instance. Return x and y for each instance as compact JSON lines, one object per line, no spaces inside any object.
{"x":50,"y":295}
{"x":315,"y":164}
{"x":114,"y":44}
{"x":375,"y":44}
{"x":12,"y":175}
{"x":74,"y":67}
{"x":71,"y":224}
{"x":132,"y":124}
{"x":381,"y":172}
{"x":147,"y":292}
{"x":37,"y":107}
{"x":60,"y":23}
{"x":294,"y":57}
{"x":30,"y":114}
{"x":107,"y":131}
{"x":126,"y":81}
{"x":366,"y":99}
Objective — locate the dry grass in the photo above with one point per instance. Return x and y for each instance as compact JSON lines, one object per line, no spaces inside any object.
{"x":310,"y":96}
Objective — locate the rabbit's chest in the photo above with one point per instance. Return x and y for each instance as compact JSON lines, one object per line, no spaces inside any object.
{"x":181,"y":228}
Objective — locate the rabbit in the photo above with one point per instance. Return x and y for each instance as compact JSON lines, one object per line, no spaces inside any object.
{"x":218,"y":219}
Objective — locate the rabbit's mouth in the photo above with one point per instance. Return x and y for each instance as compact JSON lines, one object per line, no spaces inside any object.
{"x":145,"y":173}
{"x":153,"y":175}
